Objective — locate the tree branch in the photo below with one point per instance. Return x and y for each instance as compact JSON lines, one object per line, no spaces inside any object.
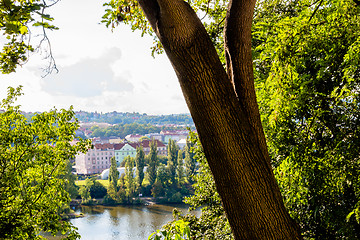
{"x":238,"y":42}
{"x":239,"y":63}
{"x":151,"y":10}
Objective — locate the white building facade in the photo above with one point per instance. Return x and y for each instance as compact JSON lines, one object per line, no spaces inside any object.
{"x":95,"y":160}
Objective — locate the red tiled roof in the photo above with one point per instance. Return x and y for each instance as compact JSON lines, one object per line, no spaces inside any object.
{"x":134,"y":145}
{"x":146,"y":143}
{"x":134,"y":136}
{"x":118,"y":146}
{"x":104,"y":146}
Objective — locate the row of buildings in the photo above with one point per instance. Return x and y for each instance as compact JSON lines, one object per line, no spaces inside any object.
{"x":98,"y":158}
{"x":163,"y":136}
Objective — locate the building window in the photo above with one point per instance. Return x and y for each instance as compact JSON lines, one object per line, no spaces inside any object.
{"x":93,"y":167}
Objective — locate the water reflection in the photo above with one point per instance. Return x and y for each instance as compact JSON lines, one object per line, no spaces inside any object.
{"x":123,"y":222}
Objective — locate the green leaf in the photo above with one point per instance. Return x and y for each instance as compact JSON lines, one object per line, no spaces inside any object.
{"x":23,"y":30}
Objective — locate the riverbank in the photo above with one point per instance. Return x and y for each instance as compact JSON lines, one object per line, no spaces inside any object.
{"x":146,"y":201}
{"x":72,"y":215}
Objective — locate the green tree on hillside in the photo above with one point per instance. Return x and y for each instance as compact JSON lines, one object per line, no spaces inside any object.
{"x":34,"y":157}
{"x":190,"y":162}
{"x":161,"y":186}
{"x":97,"y":190}
{"x":91,"y":189}
{"x":130,"y":183}
{"x":113,"y":180}
{"x":153,"y":163}
{"x":180,"y":173}
{"x":84,"y":192}
{"x":172,"y":161}
{"x":140,"y":164}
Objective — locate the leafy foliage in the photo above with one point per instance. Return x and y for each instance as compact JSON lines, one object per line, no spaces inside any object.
{"x":17,"y":19}
{"x":140,"y":164}
{"x":308,"y":87}
{"x":70,"y":178}
{"x":130,"y":183}
{"x":97,"y":190}
{"x":177,"y":230}
{"x":113,"y":180}
{"x":172,"y":161}
{"x":180,"y":171}
{"x":190,"y":161}
{"x":153,"y":163}
{"x":34,"y":159}
{"x":212,"y":223}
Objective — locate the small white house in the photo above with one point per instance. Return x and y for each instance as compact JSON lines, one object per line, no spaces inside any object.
{"x":105,"y":174}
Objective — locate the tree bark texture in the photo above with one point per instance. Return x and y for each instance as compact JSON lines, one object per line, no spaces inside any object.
{"x":224,"y":108}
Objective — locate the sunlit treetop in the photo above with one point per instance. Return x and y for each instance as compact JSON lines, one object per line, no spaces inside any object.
{"x":19,"y":20}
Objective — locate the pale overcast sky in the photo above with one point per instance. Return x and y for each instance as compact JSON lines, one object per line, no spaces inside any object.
{"x":99,"y":70}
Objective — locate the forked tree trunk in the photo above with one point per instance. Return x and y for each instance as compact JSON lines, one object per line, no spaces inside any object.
{"x":223,"y":106}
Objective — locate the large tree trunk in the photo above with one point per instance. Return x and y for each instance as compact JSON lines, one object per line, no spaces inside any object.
{"x":223,"y":106}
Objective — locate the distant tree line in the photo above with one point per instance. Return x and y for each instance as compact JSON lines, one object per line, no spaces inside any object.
{"x":128,"y":118}
{"x":122,"y":130}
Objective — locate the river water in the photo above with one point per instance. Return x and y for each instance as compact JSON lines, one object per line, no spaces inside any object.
{"x":122,"y":222}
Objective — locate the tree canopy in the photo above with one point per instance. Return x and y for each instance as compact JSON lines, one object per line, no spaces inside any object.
{"x":307,"y":61}
{"x":34,"y":159}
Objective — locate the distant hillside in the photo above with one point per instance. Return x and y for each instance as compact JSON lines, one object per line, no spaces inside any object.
{"x":128,"y":118}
